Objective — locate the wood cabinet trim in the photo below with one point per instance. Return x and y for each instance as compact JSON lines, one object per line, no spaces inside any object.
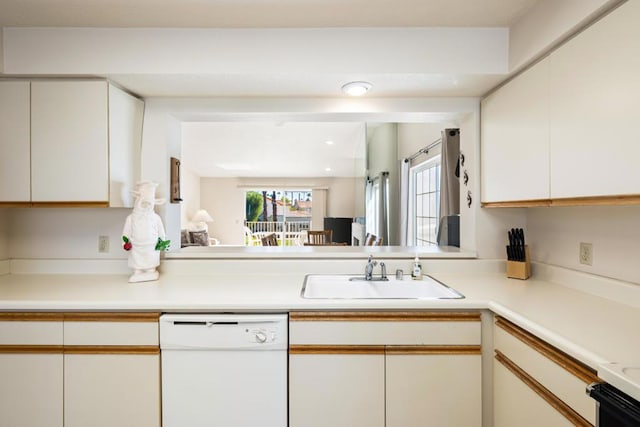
{"x":112,"y":349}
{"x":111,"y":317}
{"x":31,"y":349}
{"x":375,"y":316}
{"x":71,"y":204}
{"x":336,"y":349}
{"x":386,"y":349}
{"x":31,"y":317}
{"x":619,"y":200}
{"x":568,"y":363}
{"x":15,"y":204}
{"x":564,"y":409}
{"x":433,"y":349}
{"x":517,"y":204}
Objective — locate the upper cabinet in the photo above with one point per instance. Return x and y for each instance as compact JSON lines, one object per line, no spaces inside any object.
{"x":566,"y":130}
{"x":515,"y":138}
{"x":15,"y":134}
{"x":82,"y":138}
{"x":69,"y":141}
{"x":595,"y":109}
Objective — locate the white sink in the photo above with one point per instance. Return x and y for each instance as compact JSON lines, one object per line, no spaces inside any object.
{"x":335,"y":286}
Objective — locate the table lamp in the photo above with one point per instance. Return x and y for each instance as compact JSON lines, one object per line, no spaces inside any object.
{"x":200,"y":220}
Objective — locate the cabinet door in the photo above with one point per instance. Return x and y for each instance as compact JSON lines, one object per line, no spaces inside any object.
{"x":437,"y":390}
{"x":15,"y":135}
{"x":31,"y":392}
{"x":125,"y":142}
{"x":31,"y":370}
{"x":515,"y":404}
{"x":515,"y":138}
{"x":69,"y":141}
{"x":337,"y":390}
{"x":595,"y":109}
{"x":106,"y":390}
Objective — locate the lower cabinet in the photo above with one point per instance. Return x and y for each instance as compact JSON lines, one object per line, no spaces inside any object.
{"x":536,"y":384}
{"x":337,"y":389}
{"x":384,"y":369}
{"x":31,"y":392}
{"x":430,"y":389}
{"x":104,"y":372}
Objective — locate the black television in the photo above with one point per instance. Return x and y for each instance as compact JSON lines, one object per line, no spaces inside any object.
{"x":341,"y":228}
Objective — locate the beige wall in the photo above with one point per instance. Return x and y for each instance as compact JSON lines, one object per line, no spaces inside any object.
{"x":554,"y":236}
{"x":223,"y":198}
{"x":547,"y":22}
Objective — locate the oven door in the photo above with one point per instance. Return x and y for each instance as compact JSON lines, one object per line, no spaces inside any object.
{"x":615,"y":408}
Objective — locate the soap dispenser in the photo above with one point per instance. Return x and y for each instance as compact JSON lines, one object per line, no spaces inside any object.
{"x":416,"y":271}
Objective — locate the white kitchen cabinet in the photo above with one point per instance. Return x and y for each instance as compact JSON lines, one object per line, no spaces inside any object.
{"x":515,"y":138}
{"x":595,"y":109}
{"x":15,"y":136}
{"x":536,"y":384}
{"x":31,"y":368}
{"x":69,"y":141}
{"x":433,"y":389}
{"x":104,"y":372}
{"x":565,"y":131}
{"x":111,"y":370}
{"x":385,"y":369}
{"x":338,"y":390}
{"x":516,"y":404}
{"x":125,"y":144}
{"x":111,"y":390}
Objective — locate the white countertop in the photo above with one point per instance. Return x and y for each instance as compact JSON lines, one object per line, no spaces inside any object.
{"x":592,"y":329}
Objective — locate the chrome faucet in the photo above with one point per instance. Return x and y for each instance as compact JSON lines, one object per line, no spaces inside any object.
{"x":368,"y":269}
{"x":383,"y":272}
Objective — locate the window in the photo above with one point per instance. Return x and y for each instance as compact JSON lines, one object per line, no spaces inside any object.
{"x":426,"y":201}
{"x":277,"y":210}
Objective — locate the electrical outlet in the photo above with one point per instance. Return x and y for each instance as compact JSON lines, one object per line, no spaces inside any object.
{"x":586,"y":253}
{"x":103,"y":244}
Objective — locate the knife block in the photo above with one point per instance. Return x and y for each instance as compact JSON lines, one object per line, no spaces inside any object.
{"x":520,"y":269}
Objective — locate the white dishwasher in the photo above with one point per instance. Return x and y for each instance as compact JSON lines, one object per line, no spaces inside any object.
{"x":224,"y":370}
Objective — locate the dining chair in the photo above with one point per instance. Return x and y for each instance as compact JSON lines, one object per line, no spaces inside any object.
{"x":320,"y":237}
{"x":270,"y":240}
{"x":369,"y":239}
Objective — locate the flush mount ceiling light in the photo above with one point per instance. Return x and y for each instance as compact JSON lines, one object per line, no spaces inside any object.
{"x":329,"y":142}
{"x":356,"y":88}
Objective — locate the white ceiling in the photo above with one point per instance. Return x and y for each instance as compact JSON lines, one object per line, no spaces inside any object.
{"x":261,"y":13}
{"x":272,"y":150}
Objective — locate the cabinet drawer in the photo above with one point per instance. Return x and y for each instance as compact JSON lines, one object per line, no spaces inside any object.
{"x":563,"y":376}
{"x":111,"y":329}
{"x":372,"y":328}
{"x":30,"y":329}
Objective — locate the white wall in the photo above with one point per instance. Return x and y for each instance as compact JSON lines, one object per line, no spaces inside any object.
{"x":283,"y":51}
{"x":414,"y":136}
{"x":223,"y":198}
{"x":554,"y":236}
{"x":48,"y":233}
{"x":190,"y":194}
{"x":547,"y":22}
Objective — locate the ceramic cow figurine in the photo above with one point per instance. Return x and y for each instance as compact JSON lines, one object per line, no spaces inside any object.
{"x":143,"y":234}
